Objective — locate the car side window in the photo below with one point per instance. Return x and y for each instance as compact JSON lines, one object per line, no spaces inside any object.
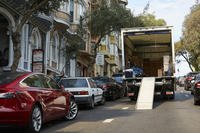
{"x":33,"y":81}
{"x":53,"y":84}
{"x":45,"y":81}
{"x":92,"y":83}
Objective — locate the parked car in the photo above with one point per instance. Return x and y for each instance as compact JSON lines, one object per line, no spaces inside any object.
{"x":112,"y":89}
{"x":118,"y":77}
{"x":31,"y":99}
{"x":180,"y":81}
{"x":196,"y":89}
{"x":188,"y":80}
{"x":85,"y":90}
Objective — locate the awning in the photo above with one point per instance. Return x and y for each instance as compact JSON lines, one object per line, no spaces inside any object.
{"x":42,"y":23}
{"x":61,"y":23}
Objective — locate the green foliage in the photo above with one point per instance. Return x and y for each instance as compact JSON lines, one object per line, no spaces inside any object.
{"x":150,"y":20}
{"x":191,"y":36}
{"x":106,"y":18}
{"x":46,"y":5}
{"x":75,"y":43}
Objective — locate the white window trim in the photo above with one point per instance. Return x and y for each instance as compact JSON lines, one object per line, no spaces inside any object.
{"x":38,"y":45}
{"x":56,"y":37}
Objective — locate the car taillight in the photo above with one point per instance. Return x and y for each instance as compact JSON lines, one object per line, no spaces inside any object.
{"x":190,"y":78}
{"x":83,"y":93}
{"x":7,"y":95}
{"x":105,"y":86}
{"x":197,"y":85}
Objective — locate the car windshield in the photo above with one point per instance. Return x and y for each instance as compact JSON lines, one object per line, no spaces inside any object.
{"x":118,"y":79}
{"x":72,"y":83}
{"x":8,"y":77}
{"x":100,"y":80}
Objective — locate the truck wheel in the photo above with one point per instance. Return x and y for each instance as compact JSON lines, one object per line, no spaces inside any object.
{"x":196,"y":102}
{"x":133,"y":98}
{"x":172,"y":97}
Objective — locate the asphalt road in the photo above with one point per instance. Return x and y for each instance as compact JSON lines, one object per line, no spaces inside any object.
{"x":175,"y":116}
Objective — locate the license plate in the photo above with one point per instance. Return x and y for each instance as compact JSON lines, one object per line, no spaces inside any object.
{"x":130,"y":94}
{"x":157,"y":93}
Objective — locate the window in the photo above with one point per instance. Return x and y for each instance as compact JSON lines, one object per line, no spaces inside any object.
{"x":33,"y":81}
{"x":45,"y":81}
{"x":64,"y":6}
{"x":25,"y":47}
{"x":68,"y":83}
{"x":33,"y":43}
{"x":53,"y":84}
{"x":62,"y":56}
{"x":71,"y":10}
{"x":92,"y":83}
{"x":54,"y":47}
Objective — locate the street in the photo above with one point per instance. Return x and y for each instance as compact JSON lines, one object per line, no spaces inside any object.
{"x":176,"y":116}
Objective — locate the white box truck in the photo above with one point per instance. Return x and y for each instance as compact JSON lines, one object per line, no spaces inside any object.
{"x":151,"y":49}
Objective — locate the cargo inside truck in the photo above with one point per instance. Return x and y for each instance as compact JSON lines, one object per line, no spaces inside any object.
{"x":150,"y":50}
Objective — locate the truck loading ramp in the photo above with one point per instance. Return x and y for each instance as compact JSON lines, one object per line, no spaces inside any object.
{"x":146,"y":94}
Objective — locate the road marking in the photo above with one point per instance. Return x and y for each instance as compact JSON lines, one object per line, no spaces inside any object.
{"x":125,"y":108}
{"x":108,"y":120}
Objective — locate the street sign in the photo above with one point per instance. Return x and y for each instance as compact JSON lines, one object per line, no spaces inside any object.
{"x":100,"y":59}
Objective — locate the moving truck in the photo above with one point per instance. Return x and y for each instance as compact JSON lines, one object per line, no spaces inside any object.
{"x":152,"y":50}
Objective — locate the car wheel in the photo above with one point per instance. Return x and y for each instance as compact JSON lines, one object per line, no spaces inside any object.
{"x":73,"y":110}
{"x":91,"y":104}
{"x":35,"y":120}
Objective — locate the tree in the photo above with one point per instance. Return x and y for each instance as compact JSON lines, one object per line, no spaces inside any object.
{"x":106,"y":18}
{"x":191,"y":36}
{"x":181,"y":50}
{"x":149,"y":19}
{"x":33,"y":7}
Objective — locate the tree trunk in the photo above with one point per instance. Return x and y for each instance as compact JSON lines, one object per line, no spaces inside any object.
{"x":17,"y":50}
{"x":187,"y":60}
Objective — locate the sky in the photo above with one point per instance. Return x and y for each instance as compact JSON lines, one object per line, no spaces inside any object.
{"x":173,"y":12}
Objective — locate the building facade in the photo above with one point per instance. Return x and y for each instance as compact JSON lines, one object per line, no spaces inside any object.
{"x":110,"y":52}
{"x":48,"y":34}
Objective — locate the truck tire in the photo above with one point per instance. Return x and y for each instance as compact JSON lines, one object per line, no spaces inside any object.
{"x":196,"y":102}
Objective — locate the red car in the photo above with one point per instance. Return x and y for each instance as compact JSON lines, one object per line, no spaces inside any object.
{"x":31,"y":99}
